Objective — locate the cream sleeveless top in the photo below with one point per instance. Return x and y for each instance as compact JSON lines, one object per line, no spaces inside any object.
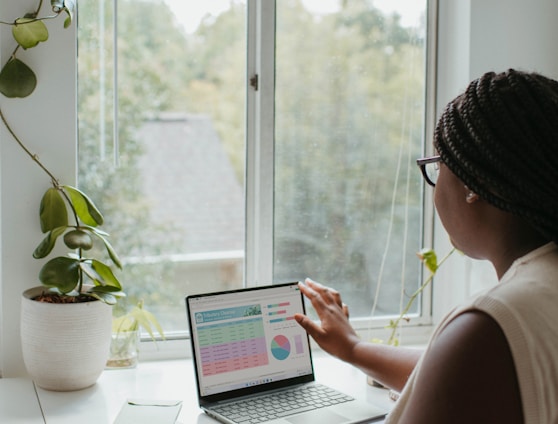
{"x":525,"y":305}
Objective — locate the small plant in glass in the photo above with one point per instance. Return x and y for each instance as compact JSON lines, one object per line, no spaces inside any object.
{"x":126,"y":329}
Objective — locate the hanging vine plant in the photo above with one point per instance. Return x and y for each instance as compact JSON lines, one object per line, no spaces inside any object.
{"x":64,"y":275}
{"x":17,"y":79}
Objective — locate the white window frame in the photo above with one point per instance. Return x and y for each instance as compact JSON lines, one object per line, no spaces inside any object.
{"x":260,"y":139}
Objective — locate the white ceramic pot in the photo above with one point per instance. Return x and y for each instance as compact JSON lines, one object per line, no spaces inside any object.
{"x":65,"y":346}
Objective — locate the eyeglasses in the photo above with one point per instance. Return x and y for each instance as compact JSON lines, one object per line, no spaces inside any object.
{"x":430,"y":168}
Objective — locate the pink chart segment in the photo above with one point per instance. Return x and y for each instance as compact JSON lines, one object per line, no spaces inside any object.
{"x":280,"y":347}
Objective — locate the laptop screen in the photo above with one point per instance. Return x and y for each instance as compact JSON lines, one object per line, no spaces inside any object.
{"x":246,"y":340}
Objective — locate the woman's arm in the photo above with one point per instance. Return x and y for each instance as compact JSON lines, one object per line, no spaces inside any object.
{"x":389,"y":365}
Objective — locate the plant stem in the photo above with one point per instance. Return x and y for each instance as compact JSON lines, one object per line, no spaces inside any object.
{"x":34,"y":157}
{"x":34,"y":14}
{"x":31,"y":20}
{"x":395,"y":324}
{"x":80,"y":280}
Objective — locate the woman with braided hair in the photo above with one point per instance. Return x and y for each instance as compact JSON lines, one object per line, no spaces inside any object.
{"x":495,"y":358}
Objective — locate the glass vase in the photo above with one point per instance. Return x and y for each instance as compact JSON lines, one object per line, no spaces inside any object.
{"x":124,"y":350}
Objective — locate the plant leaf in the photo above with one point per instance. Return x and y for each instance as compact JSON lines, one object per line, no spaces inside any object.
{"x":91,"y":273}
{"x":17,"y":79}
{"x":60,"y":272}
{"x":107,"y":298}
{"x":115,"y":291}
{"x":84,"y":207}
{"x":149,"y":317}
{"x":110,"y":250}
{"x":69,"y":7}
{"x":145,"y":324}
{"x":138,"y":317}
{"x":107,"y":294}
{"x":96,"y":231}
{"x":46,"y":246}
{"x":107,"y":277}
{"x":429,"y":259}
{"x":53,"y":212}
{"x":146,"y":320}
{"x":78,"y":239}
{"x":113,"y":256}
{"x":29,"y":32}
{"x":124,"y":323}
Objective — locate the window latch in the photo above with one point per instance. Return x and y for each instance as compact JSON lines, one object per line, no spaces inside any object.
{"x":254,"y":82}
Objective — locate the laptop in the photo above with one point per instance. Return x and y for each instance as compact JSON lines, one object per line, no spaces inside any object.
{"x":247,"y":347}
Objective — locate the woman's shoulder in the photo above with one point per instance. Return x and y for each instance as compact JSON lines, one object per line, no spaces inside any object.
{"x":467,"y":375}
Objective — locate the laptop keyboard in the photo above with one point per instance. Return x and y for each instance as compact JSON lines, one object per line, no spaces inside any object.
{"x":281,"y":404}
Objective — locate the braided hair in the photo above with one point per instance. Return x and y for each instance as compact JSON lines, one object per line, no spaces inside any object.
{"x":500,"y":138}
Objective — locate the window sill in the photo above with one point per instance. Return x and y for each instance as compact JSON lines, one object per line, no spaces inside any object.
{"x":416,"y":334}
{"x":155,"y":380}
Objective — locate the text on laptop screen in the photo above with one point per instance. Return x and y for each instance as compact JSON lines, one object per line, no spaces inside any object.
{"x":248,"y":338}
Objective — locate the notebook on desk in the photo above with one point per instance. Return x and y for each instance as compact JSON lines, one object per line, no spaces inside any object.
{"x":246,"y":346}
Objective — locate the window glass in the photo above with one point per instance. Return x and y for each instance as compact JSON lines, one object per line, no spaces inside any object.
{"x":162,"y":145}
{"x":171,"y":186}
{"x":350,"y":102}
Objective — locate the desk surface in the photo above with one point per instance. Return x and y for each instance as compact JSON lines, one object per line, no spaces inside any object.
{"x":160,"y":380}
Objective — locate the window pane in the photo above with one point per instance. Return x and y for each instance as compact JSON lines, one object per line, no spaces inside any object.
{"x":350,"y":88}
{"x":171,"y":187}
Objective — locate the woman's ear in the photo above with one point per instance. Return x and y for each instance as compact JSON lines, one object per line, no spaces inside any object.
{"x":471,"y":197}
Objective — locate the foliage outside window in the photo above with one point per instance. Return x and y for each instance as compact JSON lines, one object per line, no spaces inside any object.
{"x":165,"y":137}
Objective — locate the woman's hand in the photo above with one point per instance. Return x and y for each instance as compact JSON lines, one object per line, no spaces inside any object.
{"x":387,"y":364}
{"x":335,"y":334}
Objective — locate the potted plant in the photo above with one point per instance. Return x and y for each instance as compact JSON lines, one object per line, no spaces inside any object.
{"x":65,"y":322}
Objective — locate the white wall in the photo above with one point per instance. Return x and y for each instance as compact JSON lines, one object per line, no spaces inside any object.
{"x":476,"y":36}
{"x":46,"y":122}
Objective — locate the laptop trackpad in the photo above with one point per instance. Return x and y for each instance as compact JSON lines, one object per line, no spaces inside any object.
{"x":322,"y":416}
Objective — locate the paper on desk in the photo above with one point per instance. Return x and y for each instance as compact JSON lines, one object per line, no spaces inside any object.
{"x":138,"y":411}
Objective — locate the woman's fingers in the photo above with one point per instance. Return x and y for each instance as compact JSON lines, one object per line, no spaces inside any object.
{"x":322,"y":297}
{"x":310,"y":326}
{"x":328,"y":294}
{"x":345,"y":310}
{"x":333,"y":333}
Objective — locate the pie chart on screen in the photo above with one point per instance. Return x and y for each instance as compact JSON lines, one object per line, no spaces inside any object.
{"x":280,"y":347}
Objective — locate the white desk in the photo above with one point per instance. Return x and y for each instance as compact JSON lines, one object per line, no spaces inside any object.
{"x":167,"y":380}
